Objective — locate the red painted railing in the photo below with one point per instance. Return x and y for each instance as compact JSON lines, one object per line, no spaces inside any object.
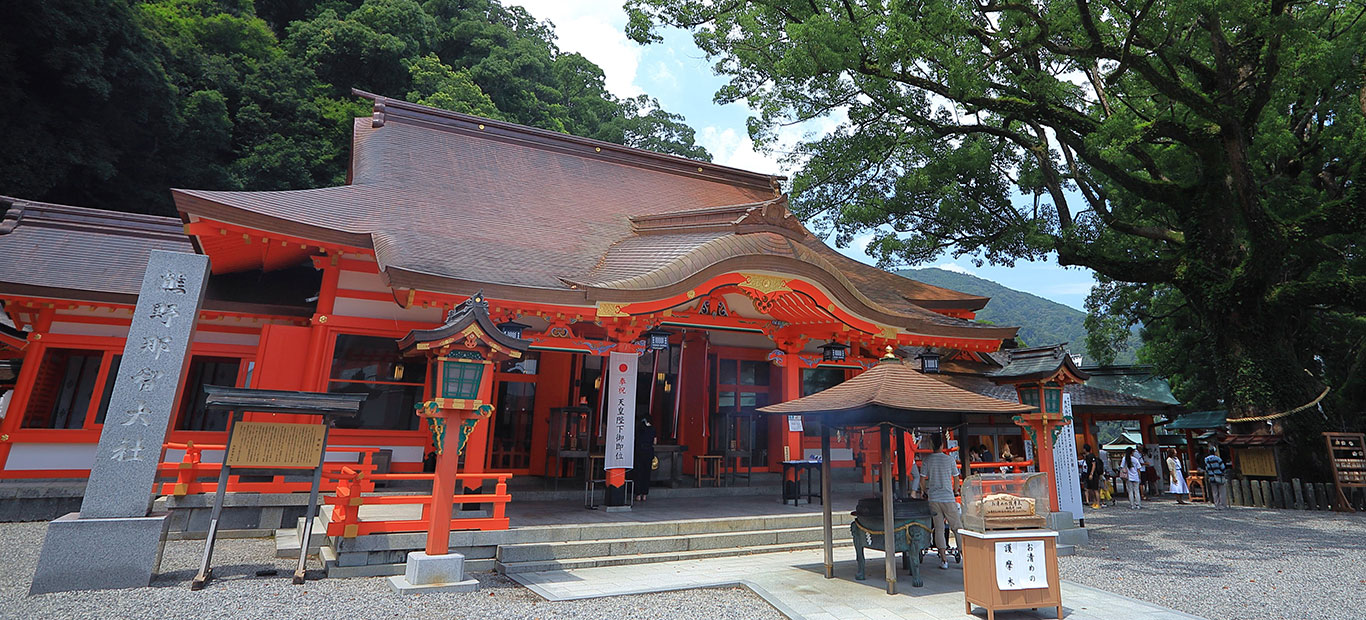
{"x":352,"y":484}
{"x":1018,"y":466}
{"x":193,"y":476}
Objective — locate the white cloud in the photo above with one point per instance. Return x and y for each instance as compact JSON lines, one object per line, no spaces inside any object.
{"x":954,"y":267}
{"x":731,"y":148}
{"x":596,"y":30}
{"x":663,"y":76}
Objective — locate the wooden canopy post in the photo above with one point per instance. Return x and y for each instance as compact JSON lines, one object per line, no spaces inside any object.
{"x":826,"y":517}
{"x":888,"y":523}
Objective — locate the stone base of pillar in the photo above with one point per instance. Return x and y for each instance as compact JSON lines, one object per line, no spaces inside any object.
{"x":433,"y":573}
{"x":100,"y":554}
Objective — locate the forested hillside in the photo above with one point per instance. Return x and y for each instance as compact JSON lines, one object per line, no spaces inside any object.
{"x":112,"y":102}
{"x":1040,"y":321}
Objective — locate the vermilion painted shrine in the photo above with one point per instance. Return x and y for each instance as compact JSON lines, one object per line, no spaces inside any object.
{"x":589,"y":246}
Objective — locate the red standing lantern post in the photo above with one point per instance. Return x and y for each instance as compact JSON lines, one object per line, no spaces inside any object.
{"x":460,"y":355}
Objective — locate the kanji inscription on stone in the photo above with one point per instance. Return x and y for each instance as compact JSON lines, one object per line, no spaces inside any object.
{"x":145,"y":389}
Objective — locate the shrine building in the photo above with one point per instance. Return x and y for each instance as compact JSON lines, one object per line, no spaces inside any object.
{"x":581,"y":247}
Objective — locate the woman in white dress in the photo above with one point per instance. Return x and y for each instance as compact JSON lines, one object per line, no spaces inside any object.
{"x":1177,"y":478}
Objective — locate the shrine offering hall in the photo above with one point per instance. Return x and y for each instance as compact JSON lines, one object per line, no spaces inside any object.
{"x":583,"y":248}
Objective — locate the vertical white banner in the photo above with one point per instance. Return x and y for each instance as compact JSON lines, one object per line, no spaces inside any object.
{"x":621,"y":411}
{"x":1067,"y":478}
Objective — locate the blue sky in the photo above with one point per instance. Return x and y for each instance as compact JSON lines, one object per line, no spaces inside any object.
{"x":678,"y":74}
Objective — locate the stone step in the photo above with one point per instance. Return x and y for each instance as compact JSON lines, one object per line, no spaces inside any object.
{"x":565,"y":550}
{"x":287,"y":540}
{"x":588,"y":532}
{"x":508,"y":568}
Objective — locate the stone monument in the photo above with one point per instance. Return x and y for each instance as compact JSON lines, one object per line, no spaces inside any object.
{"x":114,"y":541}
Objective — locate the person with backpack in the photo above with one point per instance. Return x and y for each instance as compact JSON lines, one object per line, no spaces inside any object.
{"x":1132,"y":468}
{"x":1216,"y":479}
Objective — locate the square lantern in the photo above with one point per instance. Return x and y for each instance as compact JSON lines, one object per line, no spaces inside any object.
{"x":512,"y":329}
{"x":929,"y":362}
{"x":657,"y":339}
{"x":460,"y":378}
{"x":833,"y":351}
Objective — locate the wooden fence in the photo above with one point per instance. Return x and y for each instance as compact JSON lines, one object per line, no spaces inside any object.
{"x":1292,"y":495}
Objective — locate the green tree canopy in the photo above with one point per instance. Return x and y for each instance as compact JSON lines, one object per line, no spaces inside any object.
{"x":1211,"y":151}
{"x":117,"y":101}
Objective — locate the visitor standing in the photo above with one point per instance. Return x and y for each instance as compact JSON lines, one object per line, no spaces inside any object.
{"x":1176,"y":477}
{"x":1095,"y":472}
{"x":1216,"y":478}
{"x":644,"y":458}
{"x":940,"y":484}
{"x":1132,"y":468}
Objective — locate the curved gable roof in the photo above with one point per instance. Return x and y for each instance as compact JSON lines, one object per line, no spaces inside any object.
{"x":454,"y":202}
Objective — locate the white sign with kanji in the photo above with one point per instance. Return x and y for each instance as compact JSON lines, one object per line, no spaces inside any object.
{"x":1020,"y":565}
{"x":620,"y":391}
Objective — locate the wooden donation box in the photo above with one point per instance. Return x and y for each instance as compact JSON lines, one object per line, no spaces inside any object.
{"x":1009,"y":560}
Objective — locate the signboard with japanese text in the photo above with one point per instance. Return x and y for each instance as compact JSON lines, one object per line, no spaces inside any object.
{"x":1067,"y":478}
{"x":621,"y":411}
{"x":794,"y":423}
{"x":274,"y":444}
{"x":1021,"y":565}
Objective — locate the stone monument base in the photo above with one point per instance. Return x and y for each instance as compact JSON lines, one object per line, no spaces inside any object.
{"x":100,"y":554}
{"x":433,"y":573}
{"x":1069,"y":535}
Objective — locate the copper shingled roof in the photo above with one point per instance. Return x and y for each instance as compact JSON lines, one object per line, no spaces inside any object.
{"x":893,"y":391}
{"x":51,"y":250}
{"x":456,"y":203}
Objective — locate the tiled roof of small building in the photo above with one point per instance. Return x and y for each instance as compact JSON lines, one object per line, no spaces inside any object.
{"x":1037,"y":363}
{"x":50,"y":250}
{"x":893,"y":384}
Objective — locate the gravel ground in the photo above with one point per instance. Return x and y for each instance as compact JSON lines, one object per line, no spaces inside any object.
{"x":1244,"y":563}
{"x":237,"y":593}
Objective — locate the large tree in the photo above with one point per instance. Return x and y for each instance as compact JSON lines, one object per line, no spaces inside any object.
{"x":1212,"y":149}
{"x":115,"y":101}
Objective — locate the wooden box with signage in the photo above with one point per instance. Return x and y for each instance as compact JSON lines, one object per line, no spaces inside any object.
{"x":1347,"y":454}
{"x":1010,"y":570}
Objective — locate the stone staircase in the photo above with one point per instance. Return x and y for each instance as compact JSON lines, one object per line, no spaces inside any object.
{"x":615,"y":544}
{"x":564,"y":547}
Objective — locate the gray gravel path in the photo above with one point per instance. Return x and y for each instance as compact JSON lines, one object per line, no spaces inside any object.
{"x":1244,"y":563}
{"x":237,"y":593}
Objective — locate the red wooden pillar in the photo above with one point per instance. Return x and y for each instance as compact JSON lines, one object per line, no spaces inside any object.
{"x":693,"y":384}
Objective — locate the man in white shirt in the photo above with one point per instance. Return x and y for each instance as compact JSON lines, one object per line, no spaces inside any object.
{"x":940,"y":484}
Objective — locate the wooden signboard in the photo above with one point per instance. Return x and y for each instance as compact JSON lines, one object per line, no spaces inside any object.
{"x":1347,"y":453}
{"x":276,"y":445}
{"x":1257,"y":462}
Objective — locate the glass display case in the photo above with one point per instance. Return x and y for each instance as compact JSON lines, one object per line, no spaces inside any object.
{"x":1005,"y":502}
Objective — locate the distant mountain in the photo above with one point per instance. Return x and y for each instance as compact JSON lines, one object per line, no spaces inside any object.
{"x":1040,"y":321}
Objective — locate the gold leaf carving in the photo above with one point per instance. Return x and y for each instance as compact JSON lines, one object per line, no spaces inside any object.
{"x":607,"y":309}
{"x":764,"y":284}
